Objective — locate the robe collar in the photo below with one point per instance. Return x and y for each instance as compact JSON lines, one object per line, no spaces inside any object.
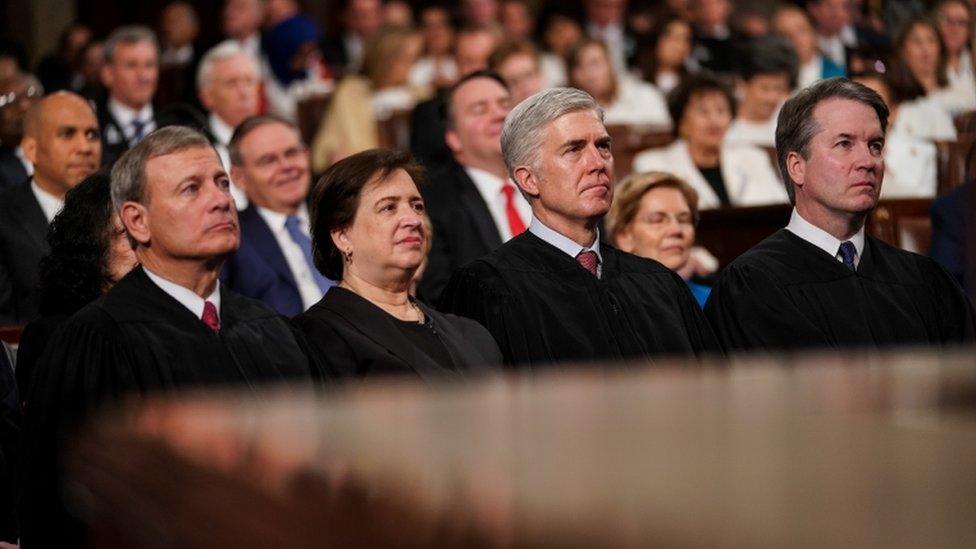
{"x":822,"y":239}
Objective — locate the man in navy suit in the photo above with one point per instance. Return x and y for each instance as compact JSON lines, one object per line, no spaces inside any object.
{"x":270,"y":164}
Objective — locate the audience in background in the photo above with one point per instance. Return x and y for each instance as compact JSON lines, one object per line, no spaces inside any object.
{"x":767,"y":74}
{"x":837,"y":34}
{"x":62,"y":70}
{"x":479,"y":13}
{"x":518,"y":65}
{"x":360,"y":20}
{"x":517,"y":19}
{"x":955,"y":21}
{"x":666,"y":60}
{"x":436,"y":68}
{"x":714,"y":44}
{"x":795,"y":25}
{"x":606,"y":21}
{"x":654,"y":215}
{"x":17,"y":95}
{"x":289,"y":47}
{"x":624,"y":99}
{"x":242,"y":20}
{"x":560,"y":29}
{"x":702,"y":108}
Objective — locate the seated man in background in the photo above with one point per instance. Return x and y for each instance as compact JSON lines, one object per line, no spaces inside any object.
{"x":166,"y":325}
{"x":518,"y":64}
{"x":556,"y":293}
{"x":274,"y":262}
{"x":822,"y":282}
{"x":61,"y":140}
{"x":767,"y":74}
{"x":20,"y":91}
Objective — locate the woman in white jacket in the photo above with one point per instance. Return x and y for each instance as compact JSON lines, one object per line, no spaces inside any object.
{"x":723,"y":175}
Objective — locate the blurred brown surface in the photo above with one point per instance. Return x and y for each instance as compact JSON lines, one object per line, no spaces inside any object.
{"x":820,"y":451}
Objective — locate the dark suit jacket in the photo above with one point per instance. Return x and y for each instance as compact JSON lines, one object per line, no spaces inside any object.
{"x":12,"y":170}
{"x":23,"y":229}
{"x":114,"y":142}
{"x":949,"y":231}
{"x":354,"y":338}
{"x":463,"y":227}
{"x":259,"y":270}
{"x":427,"y":129}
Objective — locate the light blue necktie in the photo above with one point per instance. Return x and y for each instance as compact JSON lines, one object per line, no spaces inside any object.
{"x":847,"y":254}
{"x":305,"y":243}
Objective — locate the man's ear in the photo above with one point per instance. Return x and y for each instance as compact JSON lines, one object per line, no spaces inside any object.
{"x":206,"y":98}
{"x":29,"y":146}
{"x":796,"y":168}
{"x":108,"y":78}
{"x":453,"y":141}
{"x":238,"y":178}
{"x":135,"y":218}
{"x":526,"y":181}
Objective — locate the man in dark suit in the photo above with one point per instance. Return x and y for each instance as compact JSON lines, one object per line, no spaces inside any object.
{"x":950,"y":222}
{"x":472,"y":203}
{"x":61,"y":140}
{"x":166,"y":326}
{"x":19,"y":94}
{"x":274,"y":262}
{"x":130,"y":74}
{"x":837,"y":33}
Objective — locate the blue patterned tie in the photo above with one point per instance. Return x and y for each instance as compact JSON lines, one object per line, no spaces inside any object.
{"x":138,"y":127}
{"x":305,"y":243}
{"x":847,"y":253}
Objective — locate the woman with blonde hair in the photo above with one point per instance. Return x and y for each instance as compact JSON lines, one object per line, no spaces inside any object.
{"x":654,"y":215}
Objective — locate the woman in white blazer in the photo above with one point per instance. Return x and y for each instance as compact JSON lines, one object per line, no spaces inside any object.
{"x":722,"y":174}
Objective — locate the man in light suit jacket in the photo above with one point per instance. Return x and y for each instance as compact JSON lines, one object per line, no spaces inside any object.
{"x":473,"y":205}
{"x":270,"y":164}
{"x":61,"y":140}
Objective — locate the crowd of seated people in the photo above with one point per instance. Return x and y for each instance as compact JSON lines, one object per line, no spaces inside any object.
{"x":222,"y":237}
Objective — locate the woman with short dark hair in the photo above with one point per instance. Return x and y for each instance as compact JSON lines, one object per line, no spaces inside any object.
{"x":369,"y":232}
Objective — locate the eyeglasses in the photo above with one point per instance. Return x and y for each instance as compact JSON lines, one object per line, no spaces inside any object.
{"x":955,"y":21}
{"x":7,"y":99}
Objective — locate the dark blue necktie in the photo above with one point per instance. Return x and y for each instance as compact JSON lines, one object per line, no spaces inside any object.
{"x":847,"y":254}
{"x":305,"y":243}
{"x":138,"y":127}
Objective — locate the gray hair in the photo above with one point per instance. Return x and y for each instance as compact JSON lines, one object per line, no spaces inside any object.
{"x":523,"y":131}
{"x":795,"y":126}
{"x":220,"y":52}
{"x":129,"y":172}
{"x":128,"y":34}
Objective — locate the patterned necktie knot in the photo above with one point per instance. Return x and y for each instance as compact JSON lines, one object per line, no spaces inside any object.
{"x":209,"y":316}
{"x":847,"y":254}
{"x":589,"y":260}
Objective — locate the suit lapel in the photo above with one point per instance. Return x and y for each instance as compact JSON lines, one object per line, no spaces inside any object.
{"x":477,"y":210}
{"x":29,"y":215}
{"x":261,"y":237}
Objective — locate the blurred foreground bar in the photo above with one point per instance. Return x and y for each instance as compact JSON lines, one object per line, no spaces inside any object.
{"x":821,"y":451}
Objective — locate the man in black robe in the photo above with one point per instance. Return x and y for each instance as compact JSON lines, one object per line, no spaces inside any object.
{"x":556,"y":293}
{"x":165,"y":326}
{"x":821,"y":281}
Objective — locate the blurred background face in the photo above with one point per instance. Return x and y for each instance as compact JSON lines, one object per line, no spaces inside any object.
{"x":363,"y":17}
{"x":241,"y":18}
{"x":795,"y":27}
{"x":663,"y":228}
{"x":706,"y":119}
{"x":711,"y":13}
{"x":435,"y":24}
{"x":516,"y":20}
{"x":274,"y":170}
{"x":398,"y":70}
{"x":478,"y":108}
{"x":954,"y":23}
{"x":561,"y":33}
{"x":521,"y":72}
{"x":763,"y":94}
{"x":232,"y":92}
{"x":17,"y":96}
{"x":605,"y":12}
{"x":674,"y":46}
{"x":397,"y":13}
{"x":593,"y":73}
{"x":921,"y":51}
{"x":831,"y":15}
{"x":132,"y":74}
{"x":179,"y":24}
{"x":472,"y":51}
{"x":480,"y":12}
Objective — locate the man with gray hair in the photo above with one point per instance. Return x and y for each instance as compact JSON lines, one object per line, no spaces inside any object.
{"x":822,"y":282}
{"x":167,"y":325}
{"x":130,"y":74}
{"x":556,"y":293}
{"x":228,"y":82}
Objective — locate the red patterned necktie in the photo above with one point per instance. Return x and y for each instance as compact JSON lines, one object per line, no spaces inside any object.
{"x":589,"y":260}
{"x":210,"y":316}
{"x":515,"y":224}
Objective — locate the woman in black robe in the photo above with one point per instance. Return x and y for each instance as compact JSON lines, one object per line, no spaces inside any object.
{"x":369,"y":231}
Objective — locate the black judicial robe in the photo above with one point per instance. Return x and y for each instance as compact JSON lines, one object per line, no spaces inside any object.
{"x":542,"y":307}
{"x":786,"y":293}
{"x":136,"y":339}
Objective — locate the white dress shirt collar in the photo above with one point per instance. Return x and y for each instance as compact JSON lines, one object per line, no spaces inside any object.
{"x":187,"y":297}
{"x":124,"y":116}
{"x":566,"y":244}
{"x":221,"y":131}
{"x":50,"y":204}
{"x":822,"y":239}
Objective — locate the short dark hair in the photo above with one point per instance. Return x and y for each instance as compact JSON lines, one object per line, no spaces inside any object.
{"x":250,"y":124}
{"x":335,"y":198}
{"x":770,"y":55}
{"x":446,"y":115}
{"x":694,"y":85}
{"x":795,"y":126}
{"x":76,"y":270}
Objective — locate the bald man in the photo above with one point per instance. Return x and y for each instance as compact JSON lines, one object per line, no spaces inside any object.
{"x":61,"y":139}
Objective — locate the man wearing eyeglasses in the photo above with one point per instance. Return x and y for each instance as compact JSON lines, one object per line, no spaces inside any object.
{"x":270,"y":164}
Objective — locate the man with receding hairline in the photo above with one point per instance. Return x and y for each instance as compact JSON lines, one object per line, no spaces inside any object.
{"x":61,"y":139}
